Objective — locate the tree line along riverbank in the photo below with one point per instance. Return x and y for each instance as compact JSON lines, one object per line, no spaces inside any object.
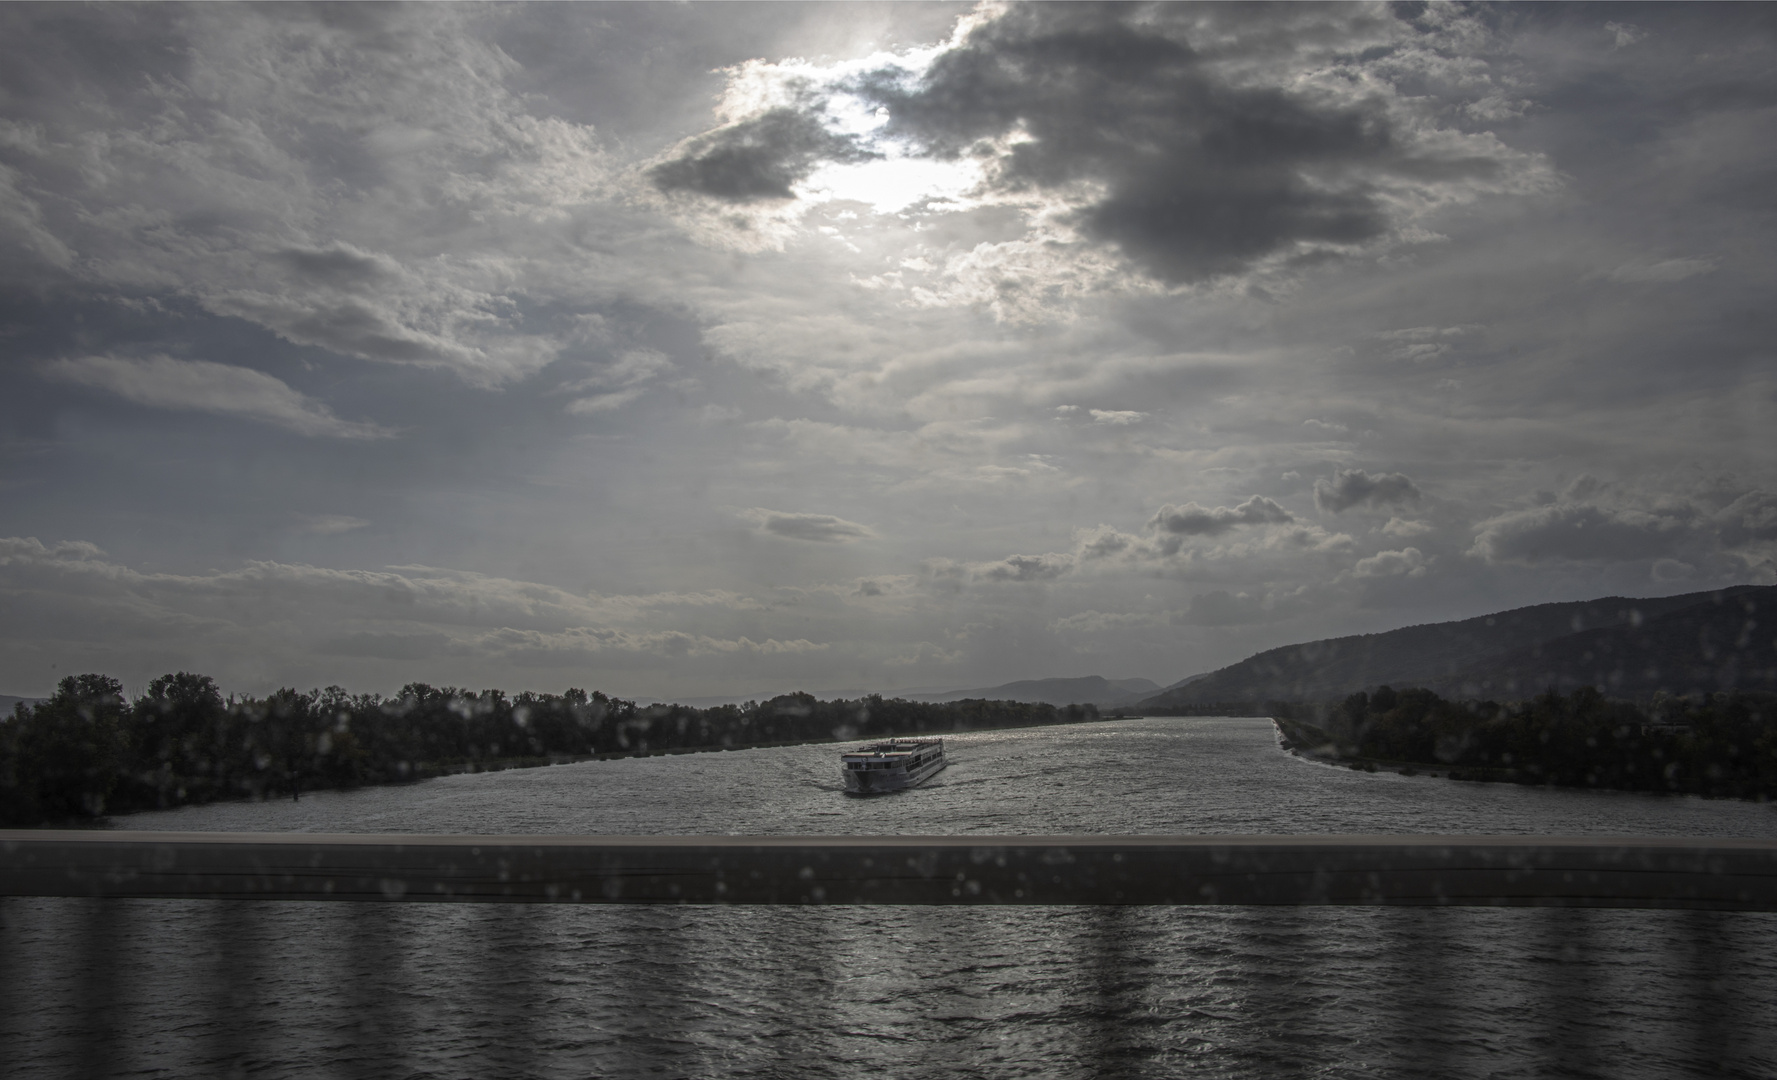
{"x":87,"y":751}
{"x":1722,"y":745}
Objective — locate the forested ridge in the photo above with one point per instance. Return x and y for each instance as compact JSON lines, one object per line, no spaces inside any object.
{"x":1718,"y":744}
{"x":88,"y":751}
{"x":1632,"y":648}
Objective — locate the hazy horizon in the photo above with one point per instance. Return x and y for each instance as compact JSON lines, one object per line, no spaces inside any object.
{"x":689,"y":351}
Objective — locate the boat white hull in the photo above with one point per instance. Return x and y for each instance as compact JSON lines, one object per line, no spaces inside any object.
{"x":882,"y":781}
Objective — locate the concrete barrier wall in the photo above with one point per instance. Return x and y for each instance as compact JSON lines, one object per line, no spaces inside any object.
{"x":1730,"y":875}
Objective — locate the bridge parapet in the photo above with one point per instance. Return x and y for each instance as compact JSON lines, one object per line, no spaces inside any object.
{"x":1421,"y":871}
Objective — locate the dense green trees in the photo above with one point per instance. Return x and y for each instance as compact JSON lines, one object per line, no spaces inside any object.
{"x":86,"y":751}
{"x":1712,"y":744}
{"x":64,"y":758}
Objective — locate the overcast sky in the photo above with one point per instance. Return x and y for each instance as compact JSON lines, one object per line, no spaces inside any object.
{"x":679,"y":350}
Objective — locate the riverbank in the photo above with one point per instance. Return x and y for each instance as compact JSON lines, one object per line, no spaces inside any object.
{"x":1311,"y":744}
{"x":87,"y":752}
{"x":1722,"y":751}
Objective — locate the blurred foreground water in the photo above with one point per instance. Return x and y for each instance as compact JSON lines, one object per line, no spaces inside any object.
{"x":164,"y":988}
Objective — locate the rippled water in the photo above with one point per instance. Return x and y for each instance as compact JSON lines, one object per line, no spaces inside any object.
{"x":316,"y":989}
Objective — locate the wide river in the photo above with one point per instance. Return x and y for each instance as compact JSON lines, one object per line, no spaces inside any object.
{"x":188,"y":988}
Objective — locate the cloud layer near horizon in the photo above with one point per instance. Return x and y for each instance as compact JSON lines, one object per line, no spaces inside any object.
{"x":367,"y":344}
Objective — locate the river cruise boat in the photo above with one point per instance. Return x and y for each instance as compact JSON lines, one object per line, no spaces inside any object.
{"x":891,"y":765}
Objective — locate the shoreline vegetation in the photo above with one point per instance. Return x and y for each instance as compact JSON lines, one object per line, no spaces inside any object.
{"x":87,"y":751}
{"x":1717,"y":745}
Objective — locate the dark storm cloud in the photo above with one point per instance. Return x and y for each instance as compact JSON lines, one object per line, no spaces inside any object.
{"x":104,"y":50}
{"x":1588,"y":532}
{"x":1028,"y":568}
{"x":340,"y":266}
{"x":822,"y":528}
{"x":1193,"y":520}
{"x":1580,"y":533}
{"x":1200,"y":178}
{"x":383,"y":204}
{"x":220,"y":224}
{"x":348,"y":326}
{"x":1355,"y":487}
{"x":755,"y":159}
{"x":1751,"y":517}
{"x":164,"y":382}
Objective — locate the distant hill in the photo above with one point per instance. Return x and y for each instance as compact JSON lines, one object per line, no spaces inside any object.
{"x":1090,"y":690}
{"x":1521,"y":652}
{"x":1728,"y":642}
{"x":7,"y":701}
{"x":718,"y":700}
{"x":1188,"y":680}
{"x":1137,"y":686}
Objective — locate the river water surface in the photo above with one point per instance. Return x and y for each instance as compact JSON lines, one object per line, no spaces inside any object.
{"x":190,"y":988}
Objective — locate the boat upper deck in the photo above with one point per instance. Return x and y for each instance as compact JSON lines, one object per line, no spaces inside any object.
{"x":892,"y":749}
